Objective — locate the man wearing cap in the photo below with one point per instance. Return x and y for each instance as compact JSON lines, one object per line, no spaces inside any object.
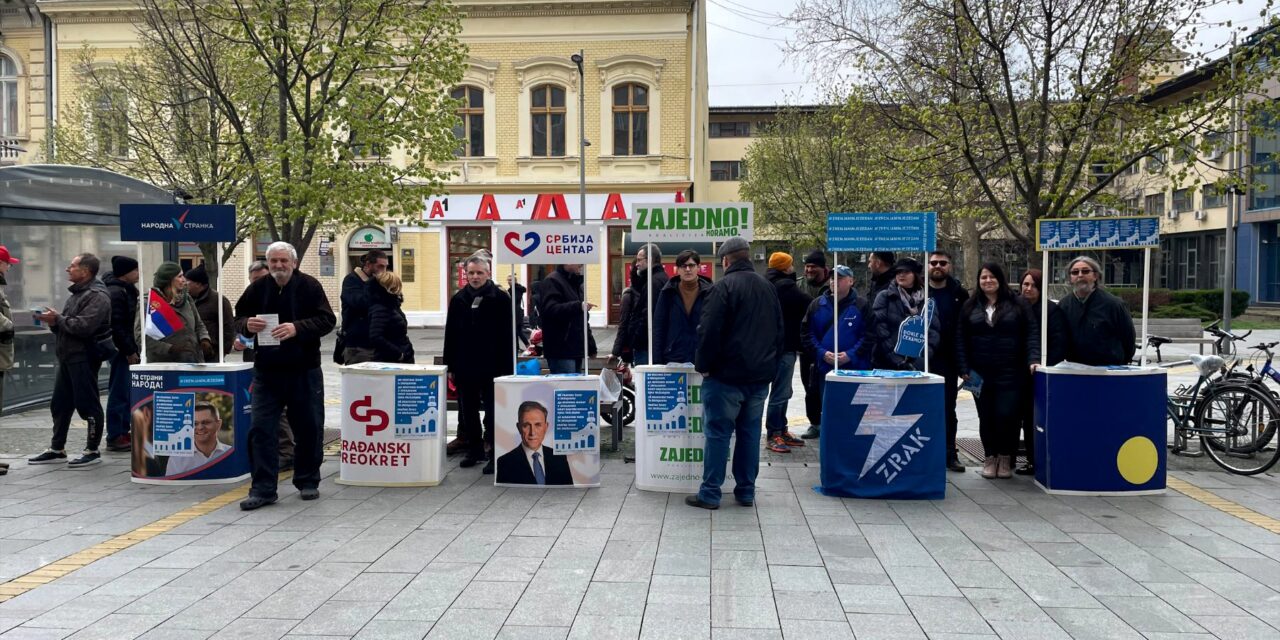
{"x":206,"y":299}
{"x":815,"y":284}
{"x":794,"y":302}
{"x":122,"y":287}
{"x":6,"y":330}
{"x":820,"y":330}
{"x":740,"y":338}
{"x":84,"y":321}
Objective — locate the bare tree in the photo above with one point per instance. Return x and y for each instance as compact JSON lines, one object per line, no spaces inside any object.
{"x":1042,"y":103}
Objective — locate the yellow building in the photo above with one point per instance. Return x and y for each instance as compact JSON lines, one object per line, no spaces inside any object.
{"x":643,"y":82}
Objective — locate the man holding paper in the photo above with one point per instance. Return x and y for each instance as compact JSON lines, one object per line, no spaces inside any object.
{"x":288,"y":313}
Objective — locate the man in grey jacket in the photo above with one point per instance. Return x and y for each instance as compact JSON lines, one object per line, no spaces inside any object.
{"x":85,"y":322}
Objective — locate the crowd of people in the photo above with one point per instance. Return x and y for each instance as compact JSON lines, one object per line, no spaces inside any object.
{"x":746,"y":333}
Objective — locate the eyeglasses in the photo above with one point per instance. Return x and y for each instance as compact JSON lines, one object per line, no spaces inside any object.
{"x":689,"y":265}
{"x":938,"y":263}
{"x":1081,"y":272}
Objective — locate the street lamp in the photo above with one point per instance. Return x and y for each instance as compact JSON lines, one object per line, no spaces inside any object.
{"x":582,"y":138}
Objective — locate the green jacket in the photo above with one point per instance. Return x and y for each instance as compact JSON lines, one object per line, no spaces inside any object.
{"x":184,"y":345}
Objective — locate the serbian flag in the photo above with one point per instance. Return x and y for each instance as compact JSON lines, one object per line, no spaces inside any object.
{"x":163,"y":321}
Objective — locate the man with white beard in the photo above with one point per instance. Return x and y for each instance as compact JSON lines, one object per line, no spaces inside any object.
{"x":1099,"y":328}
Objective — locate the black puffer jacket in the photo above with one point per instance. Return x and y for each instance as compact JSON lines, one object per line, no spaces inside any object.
{"x":740,"y":337}
{"x":560,"y":308}
{"x":1099,"y":330}
{"x":1057,"y":340}
{"x":795,"y":303}
{"x":85,"y":318}
{"x":478,"y":333}
{"x":124,"y":313}
{"x":1001,"y":352}
{"x":355,"y":311}
{"x":633,"y":330}
{"x":388,"y":328}
{"x":887,"y":314}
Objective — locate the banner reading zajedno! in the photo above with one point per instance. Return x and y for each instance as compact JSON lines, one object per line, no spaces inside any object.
{"x":692,"y":222}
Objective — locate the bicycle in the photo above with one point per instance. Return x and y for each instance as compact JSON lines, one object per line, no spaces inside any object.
{"x":1225,"y":345}
{"x":1234,"y":421}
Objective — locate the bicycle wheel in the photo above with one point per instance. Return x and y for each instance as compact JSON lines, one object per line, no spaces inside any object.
{"x":1233,"y":422}
{"x":1262,"y":440}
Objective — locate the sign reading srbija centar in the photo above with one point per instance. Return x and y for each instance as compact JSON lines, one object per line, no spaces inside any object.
{"x":537,"y":206}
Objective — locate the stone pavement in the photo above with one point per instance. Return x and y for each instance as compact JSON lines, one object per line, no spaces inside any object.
{"x":468,"y":560}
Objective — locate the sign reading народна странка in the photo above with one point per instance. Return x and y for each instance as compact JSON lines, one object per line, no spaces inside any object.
{"x":692,"y":222}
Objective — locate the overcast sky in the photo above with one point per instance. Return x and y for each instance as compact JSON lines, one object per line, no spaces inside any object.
{"x":748,"y":66}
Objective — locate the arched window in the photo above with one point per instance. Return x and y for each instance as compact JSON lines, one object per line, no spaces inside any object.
{"x":630,"y":119}
{"x":111,"y":123}
{"x":8,"y":97}
{"x":471,"y":131}
{"x":547,"y":118}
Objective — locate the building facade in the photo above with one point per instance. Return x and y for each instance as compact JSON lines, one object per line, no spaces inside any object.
{"x":643,"y":84}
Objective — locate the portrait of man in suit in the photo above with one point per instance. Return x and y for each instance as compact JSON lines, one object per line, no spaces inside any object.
{"x":531,"y":462}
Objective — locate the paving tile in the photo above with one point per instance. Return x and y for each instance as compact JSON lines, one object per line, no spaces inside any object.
{"x":808,"y":605}
{"x":605,"y":627}
{"x":921,"y":581}
{"x":501,"y":596}
{"x":879,"y":626}
{"x":788,"y":578}
{"x":946,"y":615}
{"x":657,"y":626}
{"x":533,"y":633}
{"x":880,"y":599}
{"x":743,"y":612}
{"x":253,"y":628}
{"x":826,"y":629}
{"x":665,"y":589}
{"x":1017,"y":630}
{"x":337,"y":618}
{"x":393,"y":630}
{"x":1093,"y":623}
{"x":741,"y":583}
{"x":1236,"y":627}
{"x":374,"y":587}
{"x":465,"y":624}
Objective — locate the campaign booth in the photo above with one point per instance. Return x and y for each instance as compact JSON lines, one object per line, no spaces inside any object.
{"x":547,"y":427}
{"x":669,"y":435}
{"x":394,"y":423}
{"x":1113,"y":444}
{"x":189,"y":422}
{"x":883,"y":432}
{"x":669,"y":438}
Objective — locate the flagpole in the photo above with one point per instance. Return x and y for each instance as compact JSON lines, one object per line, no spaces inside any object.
{"x":144,"y":304}
{"x":217,"y":258}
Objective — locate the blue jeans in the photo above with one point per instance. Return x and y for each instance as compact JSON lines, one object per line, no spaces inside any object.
{"x":118,"y":392}
{"x":564,"y":365}
{"x":775,"y":420}
{"x":731,"y":409}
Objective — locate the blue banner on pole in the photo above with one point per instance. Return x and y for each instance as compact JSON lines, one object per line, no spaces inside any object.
{"x":177,"y":222}
{"x":903,"y":231}
{"x":1068,"y":234}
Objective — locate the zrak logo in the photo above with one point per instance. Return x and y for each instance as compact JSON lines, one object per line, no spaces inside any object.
{"x":376,"y":419}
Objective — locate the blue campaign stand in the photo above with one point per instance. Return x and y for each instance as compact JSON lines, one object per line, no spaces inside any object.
{"x":883,"y":435}
{"x":226,"y":386}
{"x":1100,"y":430}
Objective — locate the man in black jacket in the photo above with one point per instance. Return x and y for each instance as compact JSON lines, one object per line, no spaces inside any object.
{"x":740,"y":339}
{"x":207,"y":300}
{"x":84,"y":322}
{"x":478,"y":347}
{"x":563,"y":310}
{"x":122,"y":287}
{"x":286,"y":375}
{"x":794,"y":304}
{"x":1099,"y":327}
{"x":815,"y":284}
{"x":633,"y":331}
{"x":356,"y":346}
{"x":880,"y":264}
{"x":948,"y":296}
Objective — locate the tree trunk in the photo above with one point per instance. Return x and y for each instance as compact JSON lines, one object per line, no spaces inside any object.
{"x":971,"y":244}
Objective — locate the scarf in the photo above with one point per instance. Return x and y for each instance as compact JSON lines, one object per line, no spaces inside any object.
{"x":912,"y":300}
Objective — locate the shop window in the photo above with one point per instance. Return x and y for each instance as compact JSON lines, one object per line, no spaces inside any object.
{"x":464,"y":242}
{"x":8,"y":96}
{"x":630,"y":119}
{"x":547,"y":119}
{"x":470,"y":132}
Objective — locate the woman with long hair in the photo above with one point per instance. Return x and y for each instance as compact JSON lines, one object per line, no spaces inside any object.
{"x":905,"y":297}
{"x":998,"y":341}
{"x":1055,"y":348}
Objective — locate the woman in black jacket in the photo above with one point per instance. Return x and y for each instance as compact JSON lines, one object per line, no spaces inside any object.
{"x":1056,"y":350}
{"x":997,"y":338}
{"x":904,"y":298}
{"x":388,"y":328}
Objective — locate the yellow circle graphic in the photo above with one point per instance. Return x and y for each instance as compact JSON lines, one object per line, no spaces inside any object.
{"x":1137,"y":460}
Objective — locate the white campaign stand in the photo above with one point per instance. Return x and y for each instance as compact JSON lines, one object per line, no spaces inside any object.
{"x":669,"y":432}
{"x":570,"y":453}
{"x":394,"y":421}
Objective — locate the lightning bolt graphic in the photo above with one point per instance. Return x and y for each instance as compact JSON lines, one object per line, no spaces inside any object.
{"x":881,"y":400}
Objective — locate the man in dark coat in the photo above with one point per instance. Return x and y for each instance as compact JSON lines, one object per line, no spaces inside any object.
{"x":532,"y":462}
{"x":286,"y":375}
{"x":207,"y":300}
{"x":678,"y":311}
{"x":816,"y":283}
{"x":948,"y":296}
{"x":478,"y":347}
{"x":563,"y":309}
{"x":794,"y":303}
{"x":740,"y":339}
{"x":356,"y":346}
{"x":84,"y":322}
{"x":633,"y":332}
{"x":880,"y":264}
{"x":122,"y":287}
{"x":1099,"y":327}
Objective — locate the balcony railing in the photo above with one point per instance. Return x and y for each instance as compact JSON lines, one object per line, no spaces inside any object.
{"x":10,"y":148}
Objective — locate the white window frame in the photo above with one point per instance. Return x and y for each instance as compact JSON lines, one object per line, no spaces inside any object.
{"x":540,"y":70}
{"x":19,"y":80}
{"x":482,"y":73}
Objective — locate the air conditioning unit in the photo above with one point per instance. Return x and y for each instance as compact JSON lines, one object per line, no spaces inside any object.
{"x":1173,"y":214}
{"x":1201,"y":214}
{"x":1215,"y":154}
